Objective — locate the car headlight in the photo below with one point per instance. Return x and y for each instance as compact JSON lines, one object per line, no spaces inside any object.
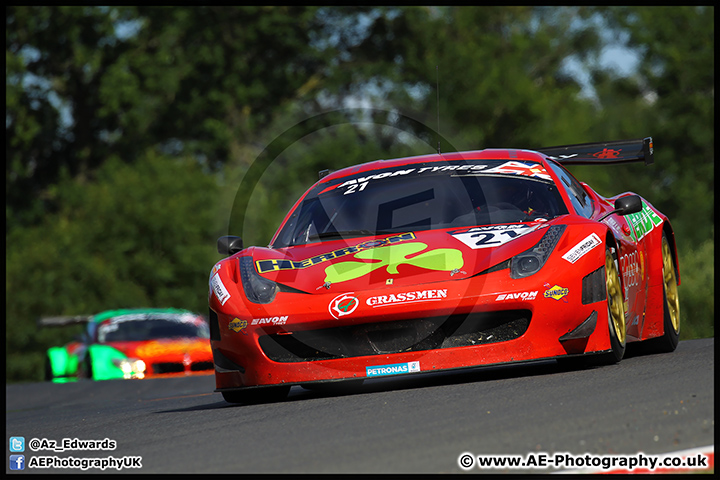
{"x":531,"y":261}
{"x":257,"y":289}
{"x":131,"y":367}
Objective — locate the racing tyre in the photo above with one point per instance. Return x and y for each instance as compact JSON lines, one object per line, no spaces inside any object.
{"x":257,"y":395}
{"x":671,"y":307}
{"x":88,"y":370}
{"x":671,"y":304}
{"x":616,"y":310}
{"x":49,"y":376}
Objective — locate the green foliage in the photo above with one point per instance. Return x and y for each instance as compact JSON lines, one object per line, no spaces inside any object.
{"x":697,"y":290}
{"x":671,"y":97}
{"x":499,"y":71}
{"x":57,"y":58}
{"x":184,"y":79}
{"x":140,"y":235}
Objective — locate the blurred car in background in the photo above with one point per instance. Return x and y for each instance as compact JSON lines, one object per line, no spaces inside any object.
{"x":131,"y":344}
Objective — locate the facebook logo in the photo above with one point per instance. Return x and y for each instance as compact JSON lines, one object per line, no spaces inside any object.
{"x":17,"y":462}
{"x":17,"y":444}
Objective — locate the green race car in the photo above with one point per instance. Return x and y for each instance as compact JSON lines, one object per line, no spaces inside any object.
{"x":131,"y":344}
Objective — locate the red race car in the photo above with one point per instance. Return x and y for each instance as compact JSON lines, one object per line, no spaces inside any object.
{"x":445,"y":261}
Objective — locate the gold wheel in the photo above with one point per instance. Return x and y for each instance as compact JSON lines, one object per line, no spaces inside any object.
{"x":670,"y":286}
{"x":615,"y":298}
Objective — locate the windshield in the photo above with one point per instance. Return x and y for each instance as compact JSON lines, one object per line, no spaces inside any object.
{"x":146,"y":327}
{"x":424,"y":197}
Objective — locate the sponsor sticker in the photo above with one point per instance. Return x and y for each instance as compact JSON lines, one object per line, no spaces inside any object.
{"x":270,"y":320}
{"x":216,"y":268}
{"x":394,"y":369}
{"x":632,"y":267}
{"x":492,"y":235}
{"x":359,"y":184}
{"x":585,"y":245}
{"x":608,"y":153}
{"x":556,"y":293}
{"x":219,"y":289}
{"x":643,"y":222}
{"x":342,"y":305}
{"x":518,"y":168}
{"x":512,"y":167}
{"x":406,"y":297}
{"x":614,"y":225}
{"x":517,"y":296}
{"x":264,"y":266}
{"x":237,"y":325}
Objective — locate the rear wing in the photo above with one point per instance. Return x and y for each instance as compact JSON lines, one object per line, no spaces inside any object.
{"x":621,"y":151}
{"x":63,"y":321}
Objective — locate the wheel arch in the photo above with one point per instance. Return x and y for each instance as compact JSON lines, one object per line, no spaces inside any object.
{"x":670,"y":235}
{"x":61,"y":363}
{"x":612,"y":242}
{"x":101,"y":358}
{"x":618,"y":344}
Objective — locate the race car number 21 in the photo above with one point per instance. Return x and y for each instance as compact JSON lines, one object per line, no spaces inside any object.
{"x":491,"y":236}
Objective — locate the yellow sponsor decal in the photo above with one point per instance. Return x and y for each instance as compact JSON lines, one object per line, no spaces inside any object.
{"x":264,"y":266}
{"x":557,"y":292}
{"x":236,"y":325}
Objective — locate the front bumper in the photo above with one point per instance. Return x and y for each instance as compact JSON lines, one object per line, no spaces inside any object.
{"x":483,"y":320}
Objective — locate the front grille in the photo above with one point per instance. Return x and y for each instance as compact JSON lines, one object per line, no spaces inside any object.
{"x":396,"y":336}
{"x":168,"y":367}
{"x":200,"y":366}
{"x":179,"y":367}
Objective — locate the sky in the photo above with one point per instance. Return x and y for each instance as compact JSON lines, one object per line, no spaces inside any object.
{"x":623,"y":60}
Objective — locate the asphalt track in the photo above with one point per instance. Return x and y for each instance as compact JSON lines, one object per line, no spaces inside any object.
{"x":413,"y":424}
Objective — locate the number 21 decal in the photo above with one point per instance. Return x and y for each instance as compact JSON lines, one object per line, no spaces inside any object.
{"x":491,"y":236}
{"x":354,"y":188}
{"x":489,"y":239}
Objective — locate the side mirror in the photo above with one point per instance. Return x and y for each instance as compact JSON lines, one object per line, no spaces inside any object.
{"x":628,"y":204}
{"x":625,"y":206}
{"x":229,"y":245}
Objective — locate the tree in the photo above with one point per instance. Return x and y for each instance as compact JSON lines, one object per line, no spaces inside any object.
{"x":55,"y":60}
{"x":671,"y":97}
{"x":500,"y":72}
{"x":141,"y":235}
{"x":87,"y":82}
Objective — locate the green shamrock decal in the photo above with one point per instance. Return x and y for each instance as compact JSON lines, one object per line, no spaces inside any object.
{"x":390,"y":257}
